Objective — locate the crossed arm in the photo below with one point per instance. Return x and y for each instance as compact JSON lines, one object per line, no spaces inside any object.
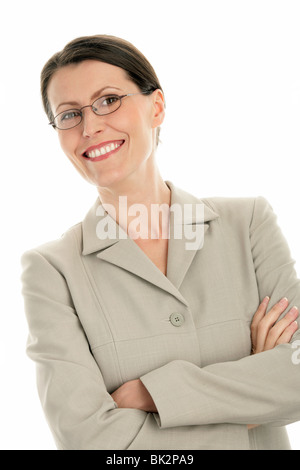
{"x":265,"y":335}
{"x":262,"y":388}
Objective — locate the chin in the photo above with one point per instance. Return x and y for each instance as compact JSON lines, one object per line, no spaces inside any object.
{"x":106,"y":180}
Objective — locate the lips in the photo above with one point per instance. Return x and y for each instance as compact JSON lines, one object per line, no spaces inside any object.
{"x":102,"y":150}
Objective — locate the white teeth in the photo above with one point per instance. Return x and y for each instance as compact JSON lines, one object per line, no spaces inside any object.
{"x":103,"y":150}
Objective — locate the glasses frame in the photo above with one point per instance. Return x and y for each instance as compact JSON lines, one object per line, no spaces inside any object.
{"x":93,"y":109}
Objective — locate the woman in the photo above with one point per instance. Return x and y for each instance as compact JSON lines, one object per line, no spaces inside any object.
{"x":141,"y":340}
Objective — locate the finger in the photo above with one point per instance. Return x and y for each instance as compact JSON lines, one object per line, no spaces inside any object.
{"x":275,"y":312}
{"x":288,"y":333}
{"x":278,"y":329}
{"x":259,"y":314}
{"x":267,"y":323}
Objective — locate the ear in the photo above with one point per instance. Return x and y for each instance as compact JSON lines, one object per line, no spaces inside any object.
{"x":158,"y":108}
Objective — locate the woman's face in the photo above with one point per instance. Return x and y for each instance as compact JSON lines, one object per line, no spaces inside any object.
{"x":132,"y":126}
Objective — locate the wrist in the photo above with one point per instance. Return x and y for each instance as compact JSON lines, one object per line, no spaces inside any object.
{"x":146,"y":402}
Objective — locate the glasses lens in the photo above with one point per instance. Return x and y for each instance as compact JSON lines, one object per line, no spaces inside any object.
{"x":68,"y":119}
{"x":106,"y":104}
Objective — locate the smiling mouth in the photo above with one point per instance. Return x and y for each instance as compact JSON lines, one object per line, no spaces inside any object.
{"x":103,"y":150}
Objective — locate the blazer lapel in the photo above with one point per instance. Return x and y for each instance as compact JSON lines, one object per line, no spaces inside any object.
{"x":122,"y":251}
{"x":192,"y":220}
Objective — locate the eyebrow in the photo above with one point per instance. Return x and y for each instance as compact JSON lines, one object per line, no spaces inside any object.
{"x":94,"y":96}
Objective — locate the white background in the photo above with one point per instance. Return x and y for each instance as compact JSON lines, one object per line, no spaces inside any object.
{"x":230,"y":71}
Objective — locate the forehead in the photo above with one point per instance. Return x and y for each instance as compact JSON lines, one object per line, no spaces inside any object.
{"x":77,"y":82}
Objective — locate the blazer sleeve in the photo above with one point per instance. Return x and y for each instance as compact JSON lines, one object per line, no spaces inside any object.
{"x":80,"y":411}
{"x":258,"y":389}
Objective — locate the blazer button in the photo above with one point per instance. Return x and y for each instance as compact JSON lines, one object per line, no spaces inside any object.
{"x":177,"y":319}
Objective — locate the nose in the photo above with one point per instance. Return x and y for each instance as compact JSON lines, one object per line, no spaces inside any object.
{"x":91,"y":123}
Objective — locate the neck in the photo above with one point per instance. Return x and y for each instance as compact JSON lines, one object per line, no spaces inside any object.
{"x":145,"y":191}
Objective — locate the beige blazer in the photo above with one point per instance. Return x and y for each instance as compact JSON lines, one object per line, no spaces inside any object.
{"x":101,"y":313}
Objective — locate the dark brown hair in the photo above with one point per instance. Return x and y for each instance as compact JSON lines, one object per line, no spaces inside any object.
{"x":109,"y":49}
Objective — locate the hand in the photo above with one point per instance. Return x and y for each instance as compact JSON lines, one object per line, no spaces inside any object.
{"x":133,"y":394}
{"x":265,"y":332}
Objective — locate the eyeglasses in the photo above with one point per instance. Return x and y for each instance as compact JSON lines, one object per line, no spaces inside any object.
{"x":105,"y":105}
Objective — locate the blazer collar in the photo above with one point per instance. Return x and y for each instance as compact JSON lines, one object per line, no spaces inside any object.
{"x":125,"y":253}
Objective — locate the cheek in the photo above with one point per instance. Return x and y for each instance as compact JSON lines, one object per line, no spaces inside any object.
{"x":138,"y":128}
{"x":68,"y":144}
{"x":63,"y":141}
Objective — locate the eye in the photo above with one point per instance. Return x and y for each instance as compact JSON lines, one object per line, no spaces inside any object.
{"x":71,"y":114}
{"x":109,"y":100}
{"x":107,"y":104}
